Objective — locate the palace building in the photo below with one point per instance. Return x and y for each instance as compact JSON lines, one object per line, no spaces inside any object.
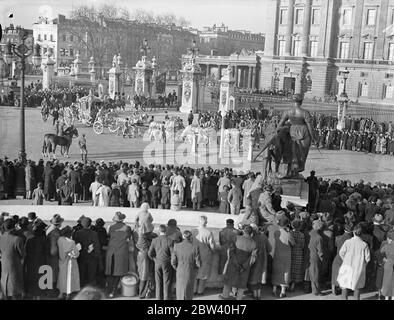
{"x":308,"y":41}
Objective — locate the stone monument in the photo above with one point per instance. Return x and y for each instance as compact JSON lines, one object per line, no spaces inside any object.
{"x":144,"y":73}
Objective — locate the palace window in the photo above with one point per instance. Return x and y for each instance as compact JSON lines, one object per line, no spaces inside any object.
{"x":388,"y":91}
{"x":64,"y":37}
{"x":299,"y":17}
{"x":371,"y":17}
{"x":344,"y":50}
{"x":51,"y":37}
{"x":347,"y":16}
{"x":39,"y":37}
{"x":62,"y":52}
{"x":391,"y":52}
{"x":316,"y":16}
{"x":368,"y":51}
{"x":45,"y":36}
{"x":71,"y":52}
{"x":283,"y":16}
{"x":296,"y":48}
{"x":281,"y":47}
{"x":313,"y":49}
{"x":363,"y":89}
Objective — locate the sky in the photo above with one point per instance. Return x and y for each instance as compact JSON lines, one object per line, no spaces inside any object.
{"x":237,"y":14}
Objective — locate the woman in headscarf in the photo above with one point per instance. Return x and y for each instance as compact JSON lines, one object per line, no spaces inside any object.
{"x":281,"y":264}
{"x":68,"y":279}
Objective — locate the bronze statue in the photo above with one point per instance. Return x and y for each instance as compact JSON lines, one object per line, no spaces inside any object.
{"x":301,"y":134}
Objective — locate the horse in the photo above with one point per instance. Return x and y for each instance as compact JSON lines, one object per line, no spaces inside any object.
{"x":51,"y":141}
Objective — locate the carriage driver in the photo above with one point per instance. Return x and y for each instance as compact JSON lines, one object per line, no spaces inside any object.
{"x":83,"y":148}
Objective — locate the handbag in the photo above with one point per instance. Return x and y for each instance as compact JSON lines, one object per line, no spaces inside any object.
{"x":345,"y":276}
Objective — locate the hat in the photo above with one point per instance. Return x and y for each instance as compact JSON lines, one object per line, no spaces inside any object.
{"x":86,"y":222}
{"x":378,"y":218}
{"x":230,"y":221}
{"x":119,"y":217}
{"x":173,"y":223}
{"x":56,"y":220}
{"x":317,"y":225}
{"x":80,"y":218}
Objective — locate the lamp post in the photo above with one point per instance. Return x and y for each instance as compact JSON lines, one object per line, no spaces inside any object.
{"x":343,"y":100}
{"x":92,"y":70}
{"x":22,"y":52}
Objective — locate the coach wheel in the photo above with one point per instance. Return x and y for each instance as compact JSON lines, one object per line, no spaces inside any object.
{"x":16,"y":102}
{"x":98,"y":128}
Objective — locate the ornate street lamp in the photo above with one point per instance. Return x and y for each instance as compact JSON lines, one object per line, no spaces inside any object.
{"x":342,"y":100}
{"x":22,"y":52}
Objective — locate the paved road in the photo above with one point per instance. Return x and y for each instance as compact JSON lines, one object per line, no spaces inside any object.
{"x":109,"y":147}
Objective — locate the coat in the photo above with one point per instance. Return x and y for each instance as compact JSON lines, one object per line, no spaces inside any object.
{"x":241,"y":256}
{"x":37,"y":249}
{"x":185,"y":259}
{"x":196,"y":189}
{"x":258,"y":272}
{"x":281,"y":259}
{"x":118,"y":249}
{"x":38,"y":197}
{"x":114,"y":198}
{"x":316,"y":255}
{"x":145,"y":265}
{"x":103,"y":192}
{"x":68,"y":279}
{"x":206,"y":243}
{"x":12,"y":251}
{"x":388,"y":273}
{"x":355,"y":254}
{"x":227,"y":237}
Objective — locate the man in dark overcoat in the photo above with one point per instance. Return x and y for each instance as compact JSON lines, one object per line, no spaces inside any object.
{"x":316,"y":256}
{"x":89,"y":260}
{"x":185,"y":259}
{"x":160,"y":251}
{"x":53,"y":234}
{"x":227,"y":237}
{"x":12,"y":252}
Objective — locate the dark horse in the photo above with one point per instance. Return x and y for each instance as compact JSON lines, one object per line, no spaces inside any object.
{"x":51,"y":141}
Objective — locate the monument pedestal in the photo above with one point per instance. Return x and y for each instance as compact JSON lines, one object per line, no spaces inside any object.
{"x":295,"y":190}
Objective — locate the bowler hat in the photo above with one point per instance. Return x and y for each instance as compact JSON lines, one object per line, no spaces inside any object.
{"x":56,"y":220}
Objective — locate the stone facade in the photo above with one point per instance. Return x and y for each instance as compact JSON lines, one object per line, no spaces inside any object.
{"x":308,"y":41}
